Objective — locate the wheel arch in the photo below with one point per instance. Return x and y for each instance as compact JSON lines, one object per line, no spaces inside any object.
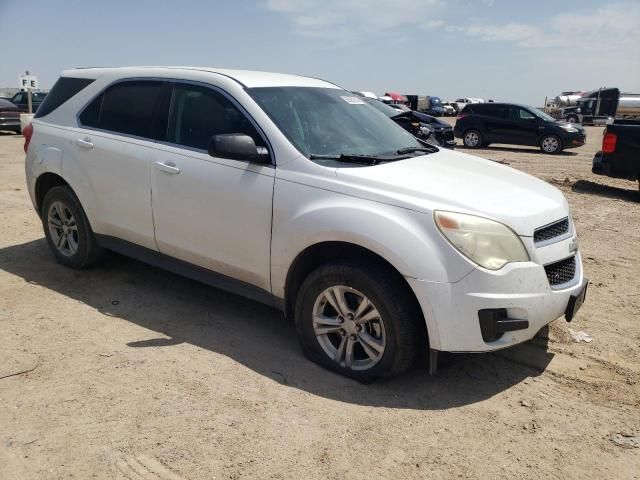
{"x":326,"y":252}
{"x":45,"y":182}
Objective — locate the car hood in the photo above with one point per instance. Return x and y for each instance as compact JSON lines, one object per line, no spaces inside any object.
{"x":424,"y":119}
{"x":460,"y":182}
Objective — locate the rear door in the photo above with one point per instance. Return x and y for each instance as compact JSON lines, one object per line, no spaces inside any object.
{"x":212,"y":212}
{"x":496,"y":122}
{"x":111,"y":158}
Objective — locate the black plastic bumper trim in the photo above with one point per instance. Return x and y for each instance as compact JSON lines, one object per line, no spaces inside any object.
{"x":494,"y":322}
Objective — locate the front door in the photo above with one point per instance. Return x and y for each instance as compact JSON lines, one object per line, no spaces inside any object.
{"x":524,"y":126}
{"x":211,"y":212}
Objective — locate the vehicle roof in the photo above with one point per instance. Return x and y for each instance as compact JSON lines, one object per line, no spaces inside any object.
{"x":504,"y":104}
{"x":247,"y":78}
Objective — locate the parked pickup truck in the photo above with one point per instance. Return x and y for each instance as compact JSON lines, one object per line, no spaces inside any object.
{"x":620,"y":154}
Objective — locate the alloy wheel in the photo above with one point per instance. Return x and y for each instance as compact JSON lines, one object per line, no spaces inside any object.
{"x":349,"y":328}
{"x":63,"y":229}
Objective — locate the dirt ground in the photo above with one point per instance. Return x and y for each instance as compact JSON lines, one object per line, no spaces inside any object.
{"x":126,"y":371}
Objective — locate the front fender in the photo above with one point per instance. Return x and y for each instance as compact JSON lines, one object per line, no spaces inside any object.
{"x":408,"y":240}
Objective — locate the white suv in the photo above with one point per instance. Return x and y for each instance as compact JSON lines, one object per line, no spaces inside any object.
{"x":294,"y":192}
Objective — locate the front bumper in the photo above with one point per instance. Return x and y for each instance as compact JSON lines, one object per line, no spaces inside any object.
{"x":522,"y":289}
{"x":10,"y":123}
{"x":574,"y":140}
{"x":445,"y":138}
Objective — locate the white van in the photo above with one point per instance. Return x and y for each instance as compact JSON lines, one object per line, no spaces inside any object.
{"x":294,"y":192}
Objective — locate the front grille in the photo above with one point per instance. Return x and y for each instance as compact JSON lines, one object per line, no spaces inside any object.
{"x":561,"y":272}
{"x":551,"y":231}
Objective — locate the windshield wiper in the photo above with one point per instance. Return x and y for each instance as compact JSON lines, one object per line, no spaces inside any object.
{"x":429,"y":149}
{"x":349,"y":158}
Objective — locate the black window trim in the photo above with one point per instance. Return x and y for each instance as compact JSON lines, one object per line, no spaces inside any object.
{"x":102,"y":91}
{"x":172,"y":82}
{"x":235,"y":103}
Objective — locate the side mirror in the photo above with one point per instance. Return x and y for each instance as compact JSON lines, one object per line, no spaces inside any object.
{"x":237,"y":146}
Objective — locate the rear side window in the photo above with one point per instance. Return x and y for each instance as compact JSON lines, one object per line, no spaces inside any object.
{"x":126,"y":107}
{"x":497,"y":111}
{"x":197,"y":113}
{"x":63,"y":90}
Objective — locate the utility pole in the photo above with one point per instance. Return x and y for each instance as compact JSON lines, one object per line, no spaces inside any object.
{"x":29,"y":95}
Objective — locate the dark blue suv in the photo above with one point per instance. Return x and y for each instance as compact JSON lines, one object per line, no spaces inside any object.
{"x":480,"y":124}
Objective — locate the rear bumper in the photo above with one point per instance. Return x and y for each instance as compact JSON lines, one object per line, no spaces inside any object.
{"x":453,"y":310}
{"x":599,"y":166}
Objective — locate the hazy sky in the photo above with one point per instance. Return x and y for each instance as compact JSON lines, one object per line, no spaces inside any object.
{"x":503,"y":49}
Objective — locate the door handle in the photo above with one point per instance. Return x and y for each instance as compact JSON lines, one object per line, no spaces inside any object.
{"x":168,"y":167}
{"x":84,"y":143}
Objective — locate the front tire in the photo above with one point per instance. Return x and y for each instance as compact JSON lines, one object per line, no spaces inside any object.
{"x":358,"y":320}
{"x":472,"y":139}
{"x":67,"y":229}
{"x":550,"y":144}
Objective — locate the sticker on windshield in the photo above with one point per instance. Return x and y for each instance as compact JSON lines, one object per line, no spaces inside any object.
{"x":353,"y":100}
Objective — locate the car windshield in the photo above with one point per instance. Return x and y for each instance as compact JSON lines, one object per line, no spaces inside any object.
{"x":331,"y":122}
{"x":542,"y":115}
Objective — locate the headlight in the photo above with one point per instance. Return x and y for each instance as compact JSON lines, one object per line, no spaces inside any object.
{"x":569,"y":128}
{"x":488,"y":243}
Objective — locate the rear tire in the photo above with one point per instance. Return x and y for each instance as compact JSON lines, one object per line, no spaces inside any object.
{"x":550,"y":144}
{"x":330,"y":320}
{"x":67,"y":229}
{"x":472,"y":139}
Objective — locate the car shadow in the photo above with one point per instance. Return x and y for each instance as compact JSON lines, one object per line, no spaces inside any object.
{"x":534,"y":150}
{"x":259,"y":337}
{"x":586,"y":186}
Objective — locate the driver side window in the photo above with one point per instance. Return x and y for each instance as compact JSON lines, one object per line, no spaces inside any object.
{"x":517,"y":113}
{"x":197,"y":113}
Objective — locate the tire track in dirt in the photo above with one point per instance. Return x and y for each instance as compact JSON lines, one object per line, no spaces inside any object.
{"x":144,"y":467}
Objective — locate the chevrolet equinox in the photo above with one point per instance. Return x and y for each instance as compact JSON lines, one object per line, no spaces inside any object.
{"x":294,"y":192}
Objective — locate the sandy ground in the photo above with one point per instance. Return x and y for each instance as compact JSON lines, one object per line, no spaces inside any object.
{"x":132,"y":372}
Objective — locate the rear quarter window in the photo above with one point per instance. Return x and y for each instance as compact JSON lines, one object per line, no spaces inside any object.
{"x":63,"y":90}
